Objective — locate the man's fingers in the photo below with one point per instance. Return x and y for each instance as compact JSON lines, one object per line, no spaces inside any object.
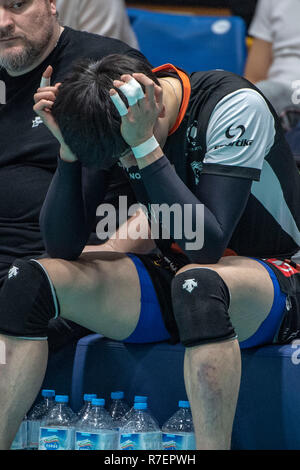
{"x":46,"y":78}
{"x":42,"y":106}
{"x":118,"y":102}
{"x":148,"y":84}
{"x":47,"y":95}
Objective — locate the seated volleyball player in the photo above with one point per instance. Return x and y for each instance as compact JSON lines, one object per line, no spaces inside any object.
{"x":206,"y":143}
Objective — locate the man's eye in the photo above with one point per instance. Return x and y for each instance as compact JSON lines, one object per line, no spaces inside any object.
{"x":17,"y":5}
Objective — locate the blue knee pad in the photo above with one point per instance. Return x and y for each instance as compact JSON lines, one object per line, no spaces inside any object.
{"x":200,"y":303}
{"x":27,"y":301}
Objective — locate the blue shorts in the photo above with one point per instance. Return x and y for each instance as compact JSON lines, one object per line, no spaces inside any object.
{"x":270,"y":326}
{"x":151,"y":327}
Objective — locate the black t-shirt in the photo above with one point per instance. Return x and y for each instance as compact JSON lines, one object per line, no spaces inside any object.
{"x":28,"y":151}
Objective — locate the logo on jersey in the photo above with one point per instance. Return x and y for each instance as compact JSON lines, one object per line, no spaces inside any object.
{"x":13,"y":272}
{"x":287,"y":269}
{"x":192,"y":134}
{"x":197,"y":169}
{"x":36,"y":122}
{"x":2,"y":92}
{"x":189,"y":285}
{"x":235,"y":133}
{"x":134,"y":176}
{"x":232,"y":132}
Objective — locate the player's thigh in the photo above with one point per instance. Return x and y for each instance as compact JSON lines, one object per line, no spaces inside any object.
{"x":251,"y":292}
{"x":100,"y":291}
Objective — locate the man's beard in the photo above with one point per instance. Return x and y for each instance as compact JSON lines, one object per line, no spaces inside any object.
{"x":31,"y":51}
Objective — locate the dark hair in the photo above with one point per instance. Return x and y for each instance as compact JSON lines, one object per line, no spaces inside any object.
{"x":85,"y":114}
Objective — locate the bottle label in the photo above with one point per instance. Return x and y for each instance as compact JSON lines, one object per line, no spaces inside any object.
{"x":56,"y":438}
{"x":180,"y":441}
{"x":141,"y":441}
{"x":33,"y":434}
{"x":97,"y":441}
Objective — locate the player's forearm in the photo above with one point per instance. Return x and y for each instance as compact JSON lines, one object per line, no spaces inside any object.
{"x":191,"y":217}
{"x":62,"y":219}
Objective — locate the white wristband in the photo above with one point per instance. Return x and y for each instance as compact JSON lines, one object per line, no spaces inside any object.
{"x":145,"y":148}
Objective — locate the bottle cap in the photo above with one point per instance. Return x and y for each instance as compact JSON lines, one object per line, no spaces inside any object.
{"x":62,"y":398}
{"x":89,"y":396}
{"x":116,"y":395}
{"x":140,"y":399}
{"x":98,"y":402}
{"x":48,"y":393}
{"x":184,"y":404}
{"x":140,"y":406}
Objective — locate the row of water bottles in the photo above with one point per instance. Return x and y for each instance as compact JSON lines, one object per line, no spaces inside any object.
{"x":52,"y":425}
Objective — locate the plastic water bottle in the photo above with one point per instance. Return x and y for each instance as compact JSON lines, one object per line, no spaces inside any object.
{"x":118,"y":407}
{"x":84,"y":411}
{"x":20,"y":440}
{"x":35,"y":416}
{"x":178,"y":431}
{"x":96,"y":430}
{"x":126,"y":417}
{"x":141,"y":431}
{"x":57,"y":427}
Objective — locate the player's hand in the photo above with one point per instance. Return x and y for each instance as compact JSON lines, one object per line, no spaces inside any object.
{"x":139,"y":119}
{"x":44,"y":99}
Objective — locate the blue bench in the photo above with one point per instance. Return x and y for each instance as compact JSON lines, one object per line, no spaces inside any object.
{"x":268,"y":411}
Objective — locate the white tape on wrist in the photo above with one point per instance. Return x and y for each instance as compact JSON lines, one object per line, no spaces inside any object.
{"x":133,"y":91}
{"x":145,"y":148}
{"x":119,"y":104}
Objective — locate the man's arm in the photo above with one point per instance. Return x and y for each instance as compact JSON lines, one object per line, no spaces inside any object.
{"x":223,"y":199}
{"x":258,"y":61}
{"x":260,"y":54}
{"x":69,"y":210}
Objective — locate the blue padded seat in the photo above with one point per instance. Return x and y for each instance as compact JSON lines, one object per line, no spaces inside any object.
{"x":268,"y":411}
{"x":191,"y":42}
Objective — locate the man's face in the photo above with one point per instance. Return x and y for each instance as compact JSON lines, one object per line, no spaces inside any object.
{"x":26,"y":28}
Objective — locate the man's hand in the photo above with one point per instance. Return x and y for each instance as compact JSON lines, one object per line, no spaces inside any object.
{"x":139,"y":119}
{"x":44,"y":99}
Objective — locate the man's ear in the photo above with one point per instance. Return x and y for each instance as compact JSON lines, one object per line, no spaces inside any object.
{"x":53,"y":7}
{"x":162,"y":113}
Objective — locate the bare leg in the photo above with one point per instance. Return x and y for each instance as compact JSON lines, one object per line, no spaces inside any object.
{"x":212,"y":377}
{"x":21,"y":379}
{"x":99,"y":291}
{"x":212,"y":371}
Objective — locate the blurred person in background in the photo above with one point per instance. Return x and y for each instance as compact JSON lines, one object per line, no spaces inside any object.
{"x":104,"y":17}
{"x":273,"y":64}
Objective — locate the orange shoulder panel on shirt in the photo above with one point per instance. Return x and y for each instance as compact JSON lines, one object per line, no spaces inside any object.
{"x":186,"y":92}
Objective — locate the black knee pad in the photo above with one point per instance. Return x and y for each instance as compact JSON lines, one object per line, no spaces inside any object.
{"x":27,"y":301}
{"x":200,"y":304}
